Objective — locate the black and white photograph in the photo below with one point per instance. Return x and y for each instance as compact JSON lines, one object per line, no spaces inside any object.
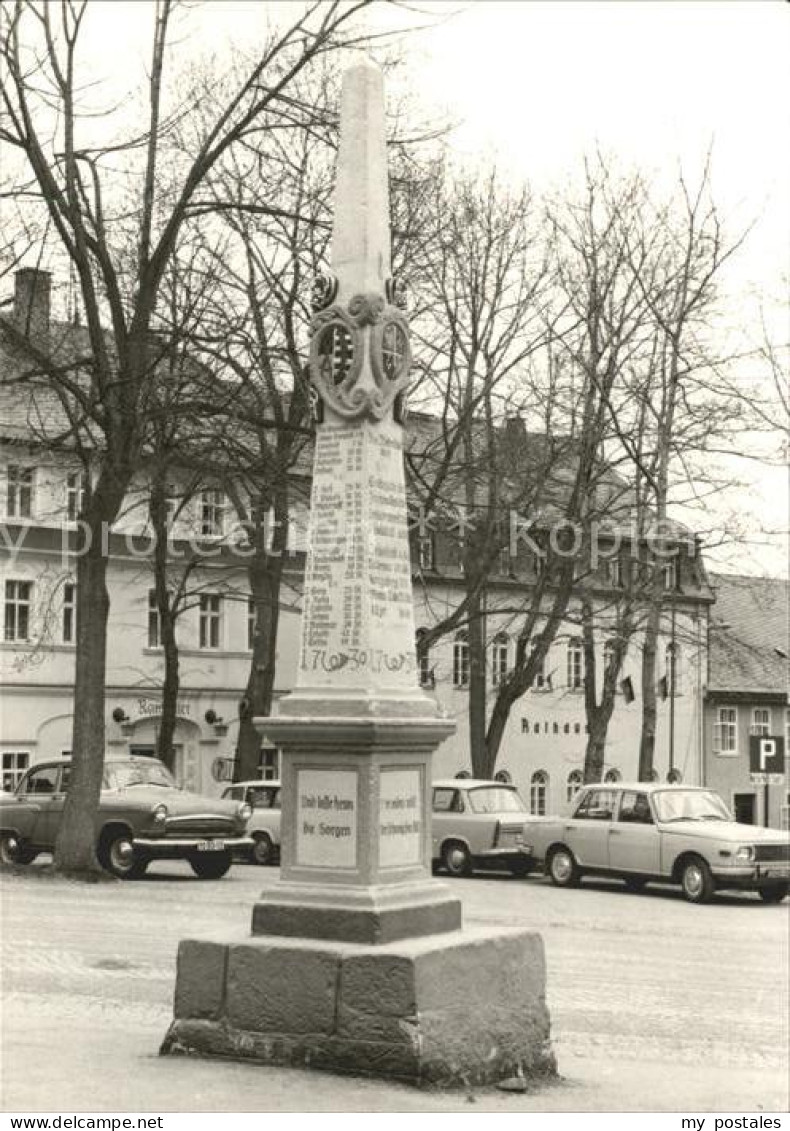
{"x":394,"y":540}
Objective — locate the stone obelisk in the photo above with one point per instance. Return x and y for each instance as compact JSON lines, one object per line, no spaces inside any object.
{"x":357,"y":954}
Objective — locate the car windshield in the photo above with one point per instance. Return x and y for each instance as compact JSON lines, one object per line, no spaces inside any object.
{"x":264,"y":797}
{"x":689,"y":805}
{"x":495,"y":799}
{"x":120,"y":775}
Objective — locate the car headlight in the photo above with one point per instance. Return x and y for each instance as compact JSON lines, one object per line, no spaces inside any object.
{"x":245,"y":811}
{"x":744,"y":854}
{"x":160,"y":814}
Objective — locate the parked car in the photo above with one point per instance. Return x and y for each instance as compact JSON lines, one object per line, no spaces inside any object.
{"x":479,"y":824}
{"x":142,"y":816}
{"x":263,"y":797}
{"x":673,"y":834}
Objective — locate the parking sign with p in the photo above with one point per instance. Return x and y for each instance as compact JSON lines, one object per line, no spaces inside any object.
{"x":766,"y":754}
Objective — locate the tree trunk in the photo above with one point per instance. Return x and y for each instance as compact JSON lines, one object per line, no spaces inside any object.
{"x":265,"y":576}
{"x":75,"y":843}
{"x":647,"y":742}
{"x":170,"y":688}
{"x":165,"y":603}
{"x":477,"y":690}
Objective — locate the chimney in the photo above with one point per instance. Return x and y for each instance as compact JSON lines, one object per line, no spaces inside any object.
{"x":31,"y":303}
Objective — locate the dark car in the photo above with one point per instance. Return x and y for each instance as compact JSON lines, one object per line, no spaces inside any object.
{"x":142,"y":816}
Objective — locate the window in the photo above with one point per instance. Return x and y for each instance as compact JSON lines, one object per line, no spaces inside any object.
{"x":43,"y":780}
{"x":542,"y":681}
{"x":75,"y":495}
{"x":252,"y":621}
{"x":15,"y":763}
{"x":427,"y":677}
{"x":725,"y":732}
{"x":18,"y":599}
{"x":269,"y":763}
{"x":69,"y":633}
{"x":672,"y":683}
{"x":425,"y":551}
{"x":500,"y":659}
{"x":612,"y":776}
{"x":573,"y":784}
{"x":669,"y":576}
{"x":597,"y":805}
{"x":447,"y":801}
{"x":608,"y":653}
{"x":505,"y":561}
{"x":210,"y":620}
{"x":761,"y":722}
{"x":212,"y":513}
{"x":154,"y":623}
{"x":538,"y":789}
{"x":635,"y":807}
{"x":575,"y":663}
{"x":614,"y":571}
{"x":461,"y":660}
{"x":19,"y":491}
{"x":743,"y":806}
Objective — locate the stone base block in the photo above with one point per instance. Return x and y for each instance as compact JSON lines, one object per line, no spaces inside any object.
{"x":371,"y":915}
{"x":466,"y":1007}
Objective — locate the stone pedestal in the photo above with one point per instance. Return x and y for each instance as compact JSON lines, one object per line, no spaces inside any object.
{"x":461,"y":1008}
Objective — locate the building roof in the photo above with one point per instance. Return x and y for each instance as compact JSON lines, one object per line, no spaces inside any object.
{"x":749,"y":635}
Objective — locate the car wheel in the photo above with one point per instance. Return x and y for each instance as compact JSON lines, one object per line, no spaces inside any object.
{"x":262,"y":851}
{"x":520,"y":868}
{"x":117,"y":855}
{"x":12,"y":851}
{"x":456,"y":858}
{"x":775,"y":893}
{"x":563,"y":869}
{"x":210,"y":865}
{"x":697,"y":881}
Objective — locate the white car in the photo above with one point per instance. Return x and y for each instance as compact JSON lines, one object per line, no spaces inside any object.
{"x":669,"y":833}
{"x":264,"y":824}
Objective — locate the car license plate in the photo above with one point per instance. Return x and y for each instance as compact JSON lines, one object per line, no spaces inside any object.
{"x":210,"y":845}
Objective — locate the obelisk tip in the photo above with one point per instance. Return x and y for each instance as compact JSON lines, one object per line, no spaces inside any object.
{"x":360,"y":237}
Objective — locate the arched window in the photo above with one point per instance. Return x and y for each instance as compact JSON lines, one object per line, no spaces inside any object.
{"x":575,"y":780}
{"x":500,"y":658}
{"x":504,"y":776}
{"x":461,"y":660}
{"x":608,"y":653}
{"x":612,"y":776}
{"x":538,"y":790}
{"x":575,"y":663}
{"x":425,"y":671}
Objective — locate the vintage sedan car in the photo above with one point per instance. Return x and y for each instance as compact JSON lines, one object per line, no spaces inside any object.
{"x":668,"y":833}
{"x":142,"y":816}
{"x":263,"y":797}
{"x":479,"y":824}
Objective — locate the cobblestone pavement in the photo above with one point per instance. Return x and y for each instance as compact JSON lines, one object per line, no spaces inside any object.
{"x":655,"y":1004}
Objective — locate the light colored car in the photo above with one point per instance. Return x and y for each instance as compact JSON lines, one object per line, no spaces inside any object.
{"x":142,"y":816}
{"x":479,"y":824}
{"x":264,"y":824}
{"x":669,"y":833}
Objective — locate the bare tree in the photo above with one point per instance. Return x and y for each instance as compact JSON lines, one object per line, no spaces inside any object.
{"x":120,"y":249}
